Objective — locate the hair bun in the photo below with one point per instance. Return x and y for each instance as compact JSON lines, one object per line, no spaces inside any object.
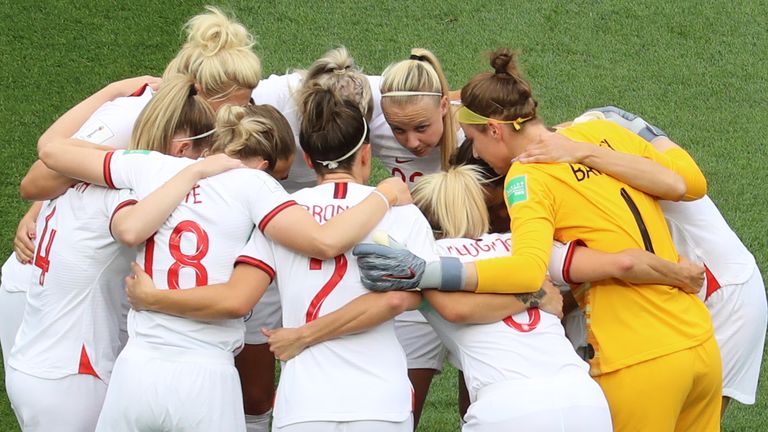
{"x":501,"y":60}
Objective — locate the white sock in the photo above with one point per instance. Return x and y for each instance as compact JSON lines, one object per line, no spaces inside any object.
{"x":258,"y":423}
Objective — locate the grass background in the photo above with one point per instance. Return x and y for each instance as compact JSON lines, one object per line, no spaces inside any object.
{"x":697,"y":69}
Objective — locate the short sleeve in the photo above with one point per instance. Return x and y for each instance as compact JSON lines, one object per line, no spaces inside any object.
{"x":258,"y":253}
{"x":560,"y":259}
{"x":115,"y":201}
{"x":267,"y":200}
{"x":112,"y":123}
{"x":129,"y":169}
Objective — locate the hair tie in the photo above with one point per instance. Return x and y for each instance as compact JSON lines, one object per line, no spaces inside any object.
{"x":192,"y":90}
{"x":417,"y":57}
{"x":333,"y":164}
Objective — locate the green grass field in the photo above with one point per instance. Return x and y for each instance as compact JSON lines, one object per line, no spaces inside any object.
{"x":697,"y":69}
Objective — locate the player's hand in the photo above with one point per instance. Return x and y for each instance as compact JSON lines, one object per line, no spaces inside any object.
{"x":129,"y":86}
{"x":24,"y":242}
{"x":285,"y":343}
{"x":632,"y":122}
{"x":553,"y":148}
{"x":215,"y":164}
{"x":691,"y":275}
{"x":395,"y":190}
{"x":387,"y":266}
{"x":552,"y":302}
{"x":139,"y":288}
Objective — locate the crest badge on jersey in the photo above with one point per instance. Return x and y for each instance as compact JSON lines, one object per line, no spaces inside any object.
{"x":98,"y":133}
{"x":516,"y":190}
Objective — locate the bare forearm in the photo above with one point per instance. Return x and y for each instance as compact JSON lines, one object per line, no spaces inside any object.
{"x":210,"y":302}
{"x":469,"y":308}
{"x":362,"y":313}
{"x":42,"y":183}
{"x":641,"y":173}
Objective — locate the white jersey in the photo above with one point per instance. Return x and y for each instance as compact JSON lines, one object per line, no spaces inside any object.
{"x":278,"y":91}
{"x":112,"y":123}
{"x":356,"y":377}
{"x":72,"y":319}
{"x":198,"y":244}
{"x":701,"y":234}
{"x":16,"y":277}
{"x":526,"y":345}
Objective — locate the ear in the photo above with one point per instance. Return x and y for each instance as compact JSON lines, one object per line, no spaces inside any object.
{"x":496,"y":130}
{"x":365,"y":154}
{"x":445,"y":105}
{"x":307,"y":160}
{"x":263,"y":165}
{"x":180,"y":148}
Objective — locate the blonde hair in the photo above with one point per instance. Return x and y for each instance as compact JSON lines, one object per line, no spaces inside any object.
{"x":174,"y":109}
{"x":218,"y":55}
{"x":453,"y":202}
{"x":336,"y":71}
{"x":421,"y":73}
{"x":253,"y":131}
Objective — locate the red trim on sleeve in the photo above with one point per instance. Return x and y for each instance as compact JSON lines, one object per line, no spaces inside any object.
{"x":119,"y":207}
{"x":259,"y":264}
{"x":268,"y":218}
{"x":108,"y":170}
{"x":340,"y":190}
{"x":568,"y":258}
{"x":140,"y":91}
{"x":85,"y":367}
{"x":712,"y":283}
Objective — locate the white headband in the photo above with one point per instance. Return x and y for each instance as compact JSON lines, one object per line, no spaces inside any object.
{"x":192,"y":138}
{"x":410,"y":93}
{"x":335,"y":163}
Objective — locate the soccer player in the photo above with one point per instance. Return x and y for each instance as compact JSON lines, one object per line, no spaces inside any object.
{"x":673,"y":363}
{"x":734,"y":286}
{"x":198,"y":243}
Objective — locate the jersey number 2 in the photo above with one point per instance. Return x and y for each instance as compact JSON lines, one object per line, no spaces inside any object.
{"x":180,"y":259}
{"x":41,"y":261}
{"x":339,"y":270}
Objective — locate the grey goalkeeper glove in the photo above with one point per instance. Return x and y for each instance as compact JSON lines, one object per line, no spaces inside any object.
{"x":632,"y":122}
{"x":391,"y":267}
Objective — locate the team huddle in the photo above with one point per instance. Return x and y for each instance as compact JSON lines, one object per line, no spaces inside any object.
{"x":188,"y":231}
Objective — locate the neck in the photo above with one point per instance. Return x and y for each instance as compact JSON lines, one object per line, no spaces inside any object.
{"x":529,"y":134}
{"x":338,"y":177}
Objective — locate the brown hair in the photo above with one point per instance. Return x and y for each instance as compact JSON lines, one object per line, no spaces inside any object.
{"x":330,"y":128}
{"x":502,"y":94}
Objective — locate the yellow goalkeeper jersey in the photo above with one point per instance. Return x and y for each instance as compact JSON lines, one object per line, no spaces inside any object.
{"x":627,"y":323}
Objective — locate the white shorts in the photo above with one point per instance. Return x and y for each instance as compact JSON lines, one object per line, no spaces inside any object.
{"x":423,"y":348}
{"x":155,"y":388}
{"x":570,"y":402}
{"x":739,"y":316}
{"x":71,"y":403}
{"x":12,"y":305}
{"x":352,"y":426}
{"x":267,"y":313}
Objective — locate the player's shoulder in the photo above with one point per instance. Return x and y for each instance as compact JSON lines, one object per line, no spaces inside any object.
{"x":598,"y":131}
{"x":276,"y":89}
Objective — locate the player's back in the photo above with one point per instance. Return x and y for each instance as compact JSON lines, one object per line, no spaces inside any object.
{"x":198,"y":243}
{"x":72,"y":320}
{"x":527,"y":345}
{"x":609,"y":215}
{"x":332,"y":380}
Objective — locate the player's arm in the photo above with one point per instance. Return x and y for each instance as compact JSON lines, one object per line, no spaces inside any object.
{"x":362,"y":313}
{"x":386,"y":268}
{"x":233,"y":299}
{"x":42,"y":182}
{"x":297,"y":230}
{"x":24,"y":242}
{"x":132,"y":225}
{"x":642,"y":173}
{"x":77,"y":159}
{"x":630,"y":265}
{"x":472,"y":308}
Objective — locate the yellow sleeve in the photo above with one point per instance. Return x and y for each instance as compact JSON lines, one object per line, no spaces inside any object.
{"x":531,"y":208}
{"x":675,"y":159}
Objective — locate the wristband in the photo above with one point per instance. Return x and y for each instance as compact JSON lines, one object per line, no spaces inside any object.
{"x":386,"y":201}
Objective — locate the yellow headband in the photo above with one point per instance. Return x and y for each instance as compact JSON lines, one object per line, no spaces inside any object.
{"x":467,"y":116}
